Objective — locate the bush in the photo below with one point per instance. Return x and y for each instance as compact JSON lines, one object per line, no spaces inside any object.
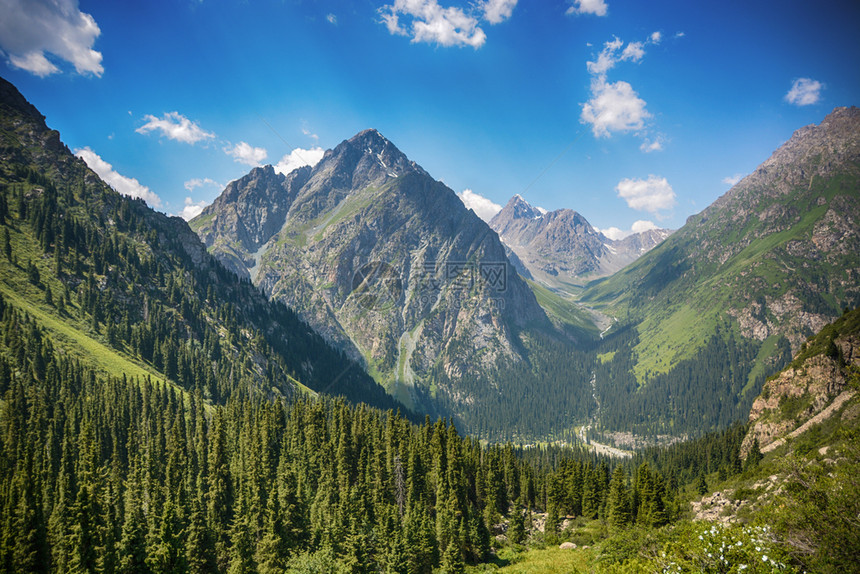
{"x":715,"y":548}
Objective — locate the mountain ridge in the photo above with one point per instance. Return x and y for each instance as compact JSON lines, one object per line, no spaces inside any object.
{"x":561,"y":249}
{"x":134,"y":291}
{"x":448,"y":312}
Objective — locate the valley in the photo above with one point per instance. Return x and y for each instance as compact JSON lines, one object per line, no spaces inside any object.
{"x":341,"y":369}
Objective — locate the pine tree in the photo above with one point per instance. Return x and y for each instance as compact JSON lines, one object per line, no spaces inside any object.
{"x":7,"y":244}
{"x":618,"y":500}
{"x":168,"y":554}
{"x":84,"y":532}
{"x":701,"y":483}
{"x":273,"y":550}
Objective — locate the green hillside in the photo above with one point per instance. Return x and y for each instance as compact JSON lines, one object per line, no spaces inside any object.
{"x":752,"y":276}
{"x":131,"y":292}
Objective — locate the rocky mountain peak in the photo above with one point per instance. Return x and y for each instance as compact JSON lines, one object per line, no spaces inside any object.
{"x":559,"y":248}
{"x":367,"y":159}
{"x":519,"y":208}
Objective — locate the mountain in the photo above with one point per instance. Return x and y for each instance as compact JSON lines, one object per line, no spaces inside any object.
{"x":561,"y":249}
{"x":821,"y":383}
{"x":747,"y":279}
{"x":130,"y":292}
{"x":388,"y":264}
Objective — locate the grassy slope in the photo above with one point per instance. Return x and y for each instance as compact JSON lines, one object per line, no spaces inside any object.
{"x":73,"y":336}
{"x":563,"y":311}
{"x":679,"y":304}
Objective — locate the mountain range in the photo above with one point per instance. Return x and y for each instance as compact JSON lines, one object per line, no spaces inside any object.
{"x":375,"y":278}
{"x":132,"y":293}
{"x":561,"y":249}
{"x":389,"y":265}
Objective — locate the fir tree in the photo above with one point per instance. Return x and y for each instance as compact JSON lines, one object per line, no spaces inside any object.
{"x":618,"y":500}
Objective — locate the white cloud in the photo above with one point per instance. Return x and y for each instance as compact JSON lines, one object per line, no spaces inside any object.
{"x":653,"y":194}
{"x":613,"y":233}
{"x":175,"y":126}
{"x":733,"y":179}
{"x":332,"y":19}
{"x":642,"y":225}
{"x":614,"y":107}
{"x":191,"y":209}
{"x":299,"y":157}
{"x":648,"y":145}
{"x":607,"y":58}
{"x":633,"y":52}
{"x":483,"y":207}
{"x":31,"y":28}
{"x":306,"y":131}
{"x":34,"y":62}
{"x":124,"y":185}
{"x":433,"y":24}
{"x":243,"y":152}
{"x":638,"y":226}
{"x":497,"y":11}
{"x":804,"y":92}
{"x":596,"y":7}
{"x":192,"y":184}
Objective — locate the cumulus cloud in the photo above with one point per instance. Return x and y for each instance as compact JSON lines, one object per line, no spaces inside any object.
{"x":595,"y":7}
{"x":483,"y":207}
{"x":497,"y":11}
{"x":175,"y":126}
{"x":733,"y":179}
{"x":122,"y":184}
{"x":653,"y":194}
{"x":616,"y":106}
{"x":30,"y":29}
{"x":613,"y":233}
{"x":192,"y":184}
{"x":642,"y":225}
{"x":298,"y":158}
{"x":191,"y":209}
{"x":804,"y":92}
{"x":244,"y":152}
{"x":633,"y":52}
{"x":426,"y":21}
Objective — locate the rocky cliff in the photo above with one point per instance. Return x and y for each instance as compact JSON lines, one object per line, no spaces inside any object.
{"x":820,"y":381}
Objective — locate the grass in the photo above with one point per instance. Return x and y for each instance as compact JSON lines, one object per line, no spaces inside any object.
{"x":349,"y":207}
{"x":671,"y":339}
{"x":562,"y":309}
{"x":548,"y":561}
{"x":69,"y":333}
{"x":80,"y":343}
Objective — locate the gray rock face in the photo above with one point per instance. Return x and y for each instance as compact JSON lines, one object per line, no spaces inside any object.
{"x":561,"y":249}
{"x":380,"y":258}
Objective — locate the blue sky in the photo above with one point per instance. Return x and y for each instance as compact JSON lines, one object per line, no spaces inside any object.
{"x":625,"y":111}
